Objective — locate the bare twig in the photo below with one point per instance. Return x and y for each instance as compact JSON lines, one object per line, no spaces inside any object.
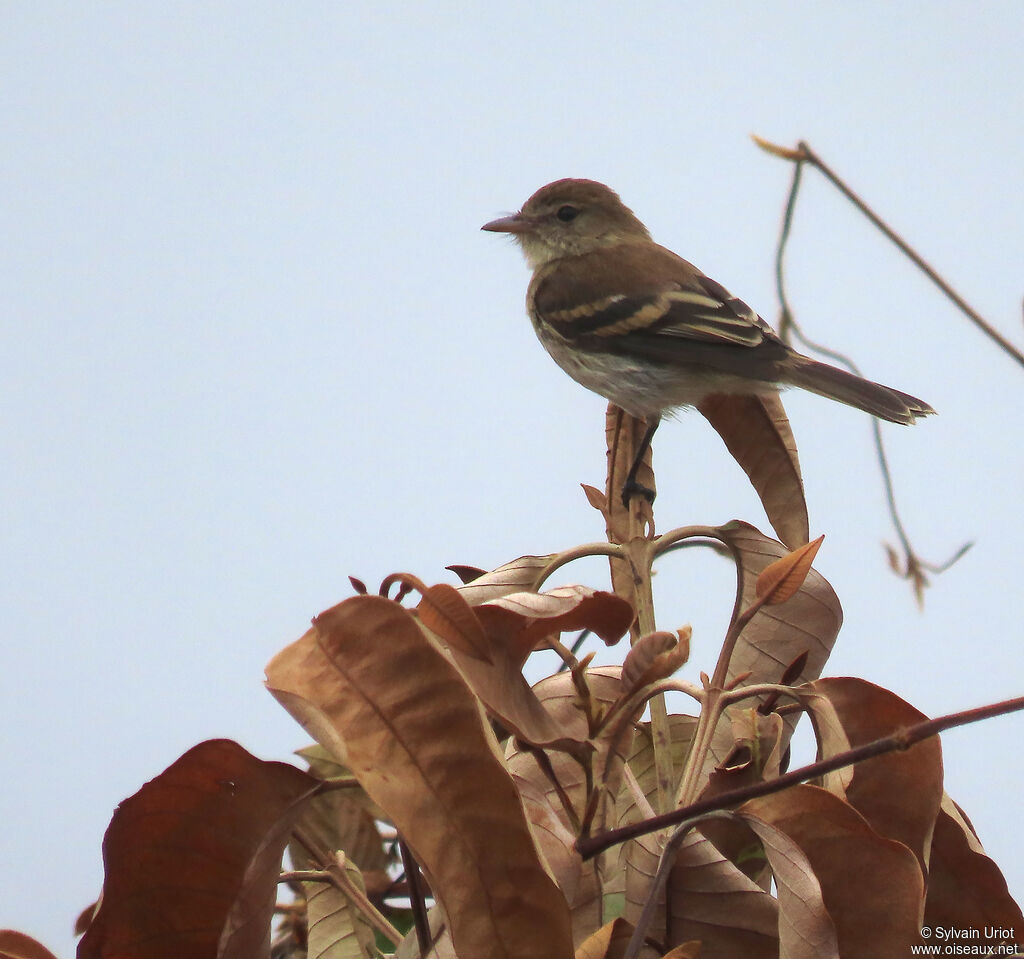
{"x":804,"y":154}
{"x":334,"y":868}
{"x":416,"y":897}
{"x":913,"y":566}
{"x":902,"y":739}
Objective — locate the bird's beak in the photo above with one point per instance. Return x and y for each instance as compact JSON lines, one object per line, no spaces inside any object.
{"x":516,"y":223}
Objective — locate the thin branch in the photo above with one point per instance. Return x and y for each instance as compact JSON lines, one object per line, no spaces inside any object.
{"x":804,"y":154}
{"x":334,"y":867}
{"x":416,"y":897}
{"x":913,"y":256}
{"x":577,"y":552}
{"x":665,"y":864}
{"x":902,"y":739}
{"x":914,"y":567}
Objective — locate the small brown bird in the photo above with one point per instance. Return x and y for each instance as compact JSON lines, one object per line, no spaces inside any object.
{"x":646,"y":329}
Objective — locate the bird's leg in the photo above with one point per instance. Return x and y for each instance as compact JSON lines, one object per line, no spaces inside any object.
{"x":631,"y":487}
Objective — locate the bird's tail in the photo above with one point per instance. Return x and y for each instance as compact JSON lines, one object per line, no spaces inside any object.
{"x":881,"y":401}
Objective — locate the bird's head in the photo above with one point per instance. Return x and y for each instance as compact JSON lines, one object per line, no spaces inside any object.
{"x":569,"y":218}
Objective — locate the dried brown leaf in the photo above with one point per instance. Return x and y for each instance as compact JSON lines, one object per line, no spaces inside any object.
{"x":512,"y":577}
{"x":966,"y":890}
{"x":579,"y":881}
{"x":780,"y":580}
{"x":805,"y":926}
{"x":444,"y":611}
{"x":595,"y":498}
{"x":16,"y":945}
{"x":491,"y":660}
{"x":655,"y":656}
{"x":521,"y":621}
{"x":711,"y":901}
{"x":191,"y":861}
{"x":898,"y":793}
{"x":756,"y":431}
{"x":871,"y":886}
{"x":638,"y":860}
{"x":755,"y":758}
{"x":608,"y":942}
{"x":777,"y":635}
{"x":560,"y":699}
{"x":368,"y":683}
{"x":336,"y":928}
{"x":466,"y":574}
{"x":553,"y":830}
{"x":341,"y":820}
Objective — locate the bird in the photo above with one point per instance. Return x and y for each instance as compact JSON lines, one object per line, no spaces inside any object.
{"x":637,"y":324}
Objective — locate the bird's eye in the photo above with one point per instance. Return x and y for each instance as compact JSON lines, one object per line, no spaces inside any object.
{"x":567,"y":213}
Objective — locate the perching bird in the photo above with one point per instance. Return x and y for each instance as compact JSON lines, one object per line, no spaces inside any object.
{"x":647,"y":330}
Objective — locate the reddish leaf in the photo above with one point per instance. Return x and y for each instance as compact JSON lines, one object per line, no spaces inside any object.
{"x":966,"y":890}
{"x":756,"y":431}
{"x":782,"y":579}
{"x":16,"y":945}
{"x":191,"y":861}
{"x":872,"y":886}
{"x":898,"y":793}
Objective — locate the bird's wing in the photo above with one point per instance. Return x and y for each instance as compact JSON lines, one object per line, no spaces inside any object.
{"x":644,"y":292}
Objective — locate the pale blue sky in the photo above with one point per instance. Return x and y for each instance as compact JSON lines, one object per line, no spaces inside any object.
{"x":253,"y":341}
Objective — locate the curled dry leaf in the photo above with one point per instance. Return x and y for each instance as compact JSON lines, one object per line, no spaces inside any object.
{"x":636,"y":800}
{"x":521,"y":621}
{"x":595,"y":498}
{"x":512,"y":577}
{"x":608,"y":942}
{"x":578,"y":880}
{"x":966,"y":890}
{"x":756,"y":431}
{"x":16,"y":945}
{"x":807,"y":623}
{"x":655,"y":656}
{"x":447,"y":614}
{"x":780,"y":580}
{"x":710,"y":900}
{"x":871,"y":886}
{"x":369,"y":684}
{"x":553,"y":828}
{"x":898,"y":793}
{"x":191,"y":861}
{"x":805,"y":926}
{"x":491,"y":662}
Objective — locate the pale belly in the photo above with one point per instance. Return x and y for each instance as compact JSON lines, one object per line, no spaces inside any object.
{"x":644,"y":389}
